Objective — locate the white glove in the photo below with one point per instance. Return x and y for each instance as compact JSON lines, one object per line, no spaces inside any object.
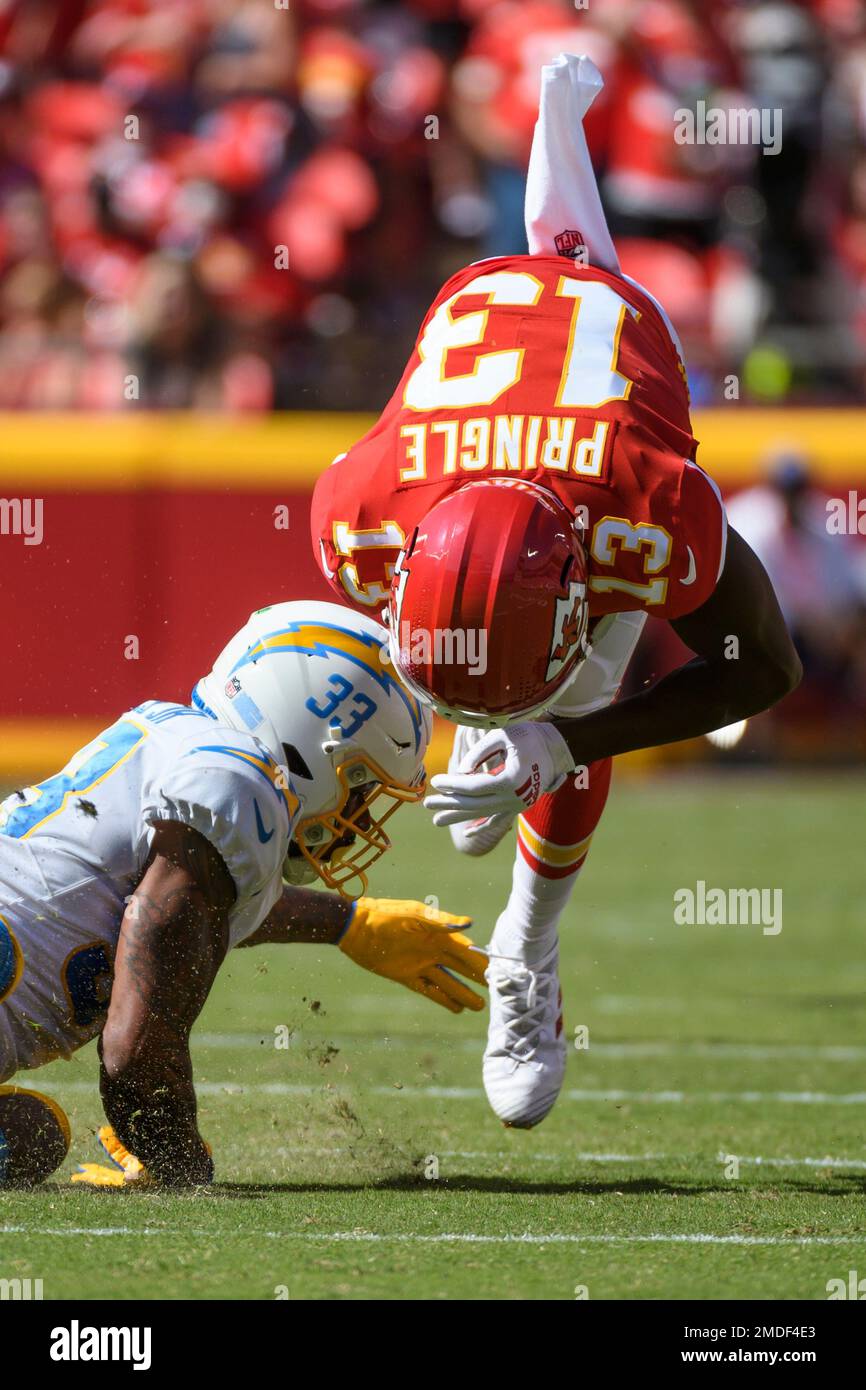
{"x":537,"y":760}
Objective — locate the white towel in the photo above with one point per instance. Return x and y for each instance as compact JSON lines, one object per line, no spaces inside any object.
{"x":561,"y":192}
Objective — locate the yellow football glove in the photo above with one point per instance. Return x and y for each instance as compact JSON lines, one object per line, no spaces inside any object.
{"x":419,"y":947}
{"x":127,"y":1168}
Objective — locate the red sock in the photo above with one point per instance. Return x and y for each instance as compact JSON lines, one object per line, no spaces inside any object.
{"x":552,"y":842}
{"x":554,"y":836}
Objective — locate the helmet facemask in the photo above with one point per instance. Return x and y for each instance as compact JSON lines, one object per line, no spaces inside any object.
{"x":364,"y":786}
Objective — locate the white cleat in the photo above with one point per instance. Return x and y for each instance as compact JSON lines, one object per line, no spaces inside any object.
{"x":475,"y":837}
{"x":524,"y":1061}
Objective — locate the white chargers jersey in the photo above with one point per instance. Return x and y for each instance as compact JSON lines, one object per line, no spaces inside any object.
{"x":73,"y":848}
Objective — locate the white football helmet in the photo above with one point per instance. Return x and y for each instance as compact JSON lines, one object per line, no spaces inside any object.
{"x":313,"y":683}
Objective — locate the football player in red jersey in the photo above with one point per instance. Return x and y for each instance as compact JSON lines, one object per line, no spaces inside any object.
{"x":527,"y":498}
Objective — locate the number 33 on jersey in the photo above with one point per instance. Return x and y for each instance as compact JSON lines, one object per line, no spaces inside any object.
{"x":533,"y":367}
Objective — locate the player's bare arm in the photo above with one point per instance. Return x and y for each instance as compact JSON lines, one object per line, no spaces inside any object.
{"x":744,"y":662}
{"x":302,"y":915}
{"x":162,"y":984}
{"x":409,"y":942}
{"x":173,"y":939}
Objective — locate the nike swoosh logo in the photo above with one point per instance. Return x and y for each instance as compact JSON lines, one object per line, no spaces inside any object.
{"x":264,"y":835}
{"x":693,"y":569}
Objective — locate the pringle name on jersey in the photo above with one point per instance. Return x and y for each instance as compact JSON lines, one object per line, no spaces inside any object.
{"x":506,"y":444}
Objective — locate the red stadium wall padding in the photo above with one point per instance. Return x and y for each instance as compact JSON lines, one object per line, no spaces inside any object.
{"x":178,"y":571}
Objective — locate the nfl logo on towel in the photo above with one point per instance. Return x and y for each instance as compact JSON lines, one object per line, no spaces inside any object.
{"x":570,"y":243}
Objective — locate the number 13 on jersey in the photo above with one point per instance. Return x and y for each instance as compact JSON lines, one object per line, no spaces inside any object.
{"x":589,"y":376}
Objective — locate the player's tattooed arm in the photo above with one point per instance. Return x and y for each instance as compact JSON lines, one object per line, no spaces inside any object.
{"x":409,"y":942}
{"x":173,"y":939}
{"x":302,"y":915}
{"x":744,"y":662}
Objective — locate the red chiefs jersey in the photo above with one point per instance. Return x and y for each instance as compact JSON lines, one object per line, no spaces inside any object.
{"x":537,"y":368}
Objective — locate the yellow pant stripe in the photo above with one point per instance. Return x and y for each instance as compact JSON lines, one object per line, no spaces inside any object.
{"x":549,"y":853}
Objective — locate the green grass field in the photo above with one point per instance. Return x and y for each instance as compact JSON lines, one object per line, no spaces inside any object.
{"x":704,"y":1042}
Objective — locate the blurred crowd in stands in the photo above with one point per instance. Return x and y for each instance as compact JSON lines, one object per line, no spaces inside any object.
{"x":818,"y":572}
{"x":247,"y":204}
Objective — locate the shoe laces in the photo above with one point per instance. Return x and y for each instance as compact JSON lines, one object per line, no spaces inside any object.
{"x":524,"y":998}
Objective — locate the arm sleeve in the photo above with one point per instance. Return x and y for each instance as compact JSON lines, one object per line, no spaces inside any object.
{"x":700,"y":543}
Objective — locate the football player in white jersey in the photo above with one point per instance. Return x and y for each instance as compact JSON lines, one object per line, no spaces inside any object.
{"x":168,"y":840}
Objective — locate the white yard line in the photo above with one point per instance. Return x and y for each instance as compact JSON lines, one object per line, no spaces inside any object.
{"x":586,"y":1096}
{"x":756,"y":1160}
{"x":757,"y":1052}
{"x":747,"y":1097}
{"x":440,"y":1238}
{"x":519,"y":1155}
{"x":752,"y":1052}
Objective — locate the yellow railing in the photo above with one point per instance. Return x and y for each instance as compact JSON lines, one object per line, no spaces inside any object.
{"x":180,"y":451}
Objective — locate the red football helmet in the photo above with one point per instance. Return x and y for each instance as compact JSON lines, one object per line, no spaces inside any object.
{"x":488,"y":611}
